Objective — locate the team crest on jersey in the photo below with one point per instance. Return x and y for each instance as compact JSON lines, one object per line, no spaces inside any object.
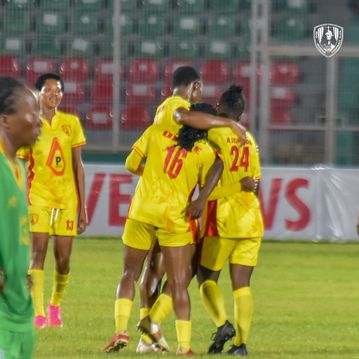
{"x":66,"y":129}
{"x":56,"y":159}
{"x":34,"y":218}
{"x":328,"y":38}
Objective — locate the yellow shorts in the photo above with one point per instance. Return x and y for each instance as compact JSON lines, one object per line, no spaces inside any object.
{"x":55,"y":221}
{"x":216,"y":251}
{"x":141,"y":235}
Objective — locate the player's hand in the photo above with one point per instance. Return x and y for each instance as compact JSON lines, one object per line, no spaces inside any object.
{"x":248,"y":184}
{"x":195,"y":209}
{"x":240,"y":131}
{"x":83,"y":221}
{"x":2,"y":280}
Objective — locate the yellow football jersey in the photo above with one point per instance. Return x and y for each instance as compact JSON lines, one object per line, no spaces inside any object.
{"x":51,"y":181}
{"x":165,"y":112}
{"x":169,"y":178}
{"x":237,"y":215}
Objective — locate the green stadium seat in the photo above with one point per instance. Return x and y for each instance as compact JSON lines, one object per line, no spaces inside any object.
{"x":85,"y":23}
{"x":218,"y":49}
{"x":13,"y":45}
{"x":46,"y":46}
{"x":289,"y":28}
{"x":16,"y":21}
{"x":290,"y":6}
{"x":127,"y":5}
{"x":344,"y":147}
{"x":79,"y":46}
{"x":183,"y":49}
{"x":155,"y":5}
{"x":242,"y":50}
{"x":224,"y":6}
{"x":55,"y":4}
{"x":352,"y":33}
{"x":89,"y":5}
{"x":148,"y":48}
{"x":152,"y":25}
{"x":105,"y":48}
{"x":186,"y":25}
{"x":20,"y":4}
{"x":51,"y":22}
{"x":221,"y":26}
{"x":191,"y":6}
{"x":126,"y":23}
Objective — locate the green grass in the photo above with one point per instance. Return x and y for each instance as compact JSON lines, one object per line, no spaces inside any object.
{"x":306,"y":304}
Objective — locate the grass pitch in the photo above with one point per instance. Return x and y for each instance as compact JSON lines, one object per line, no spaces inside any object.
{"x":306,"y":299}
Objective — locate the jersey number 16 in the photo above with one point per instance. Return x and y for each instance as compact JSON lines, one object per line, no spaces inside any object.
{"x":174,"y":161}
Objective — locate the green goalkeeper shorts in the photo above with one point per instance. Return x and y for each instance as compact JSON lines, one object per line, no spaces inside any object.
{"x":16,"y":345}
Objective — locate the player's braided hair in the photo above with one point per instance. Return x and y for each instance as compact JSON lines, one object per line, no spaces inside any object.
{"x":8,"y":88}
{"x":232,"y":102}
{"x":41,"y":80}
{"x":188,"y":136}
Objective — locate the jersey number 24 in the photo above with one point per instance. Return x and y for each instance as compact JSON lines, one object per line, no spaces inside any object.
{"x":243,"y":162}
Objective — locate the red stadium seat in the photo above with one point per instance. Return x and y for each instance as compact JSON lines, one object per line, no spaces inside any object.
{"x":135,"y":117}
{"x":74,"y":92}
{"x":74,"y":69}
{"x":282,"y":97}
{"x":211,"y":93}
{"x":285,"y":73}
{"x":214,"y":71}
{"x":241,"y":74}
{"x":102,"y":92}
{"x":36,"y":66}
{"x":104,"y":70}
{"x":280,"y":117}
{"x":9,"y":66}
{"x":140,"y":93}
{"x":99,"y":118}
{"x":143,"y":71}
{"x":171,"y":66}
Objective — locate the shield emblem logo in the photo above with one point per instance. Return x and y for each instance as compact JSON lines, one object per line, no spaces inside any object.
{"x":328,"y":38}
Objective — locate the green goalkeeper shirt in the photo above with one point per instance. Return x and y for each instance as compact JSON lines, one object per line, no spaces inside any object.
{"x":16,"y":310}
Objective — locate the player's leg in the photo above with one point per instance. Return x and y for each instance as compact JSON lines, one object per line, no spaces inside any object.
{"x":215,"y":252}
{"x":242,"y":262}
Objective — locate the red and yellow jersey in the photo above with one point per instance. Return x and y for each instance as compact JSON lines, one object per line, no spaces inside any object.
{"x":51,"y":181}
{"x":237,"y":215}
{"x":165,"y":112}
{"x":169,"y":178}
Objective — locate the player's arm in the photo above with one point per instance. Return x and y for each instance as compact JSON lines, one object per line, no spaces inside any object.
{"x":79,"y":173}
{"x":358,"y":225}
{"x":134,"y":162}
{"x":195,"y":208}
{"x":204,"y":121}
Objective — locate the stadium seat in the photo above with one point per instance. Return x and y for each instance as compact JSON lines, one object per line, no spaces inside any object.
{"x":291,"y":6}
{"x":135,"y":118}
{"x":13,"y":45}
{"x":9,"y":66}
{"x":52,"y":22}
{"x":74,"y":92}
{"x":166,"y":92}
{"x":126,"y":24}
{"x":20,"y":4}
{"x":17,"y":21}
{"x":289,"y":28}
{"x":191,"y":6}
{"x":105,"y":48}
{"x":36,"y":66}
{"x":211,"y":93}
{"x":285,"y":73}
{"x":282,"y":97}
{"x":79,"y":46}
{"x":352,"y":32}
{"x":140,"y":93}
{"x":99,"y":118}
{"x":152,"y":25}
{"x":127,"y":5}
{"x":241,"y":73}
{"x":55,"y":4}
{"x":143,"y":71}
{"x":221,"y":26}
{"x":89,"y":5}
{"x":148,"y":48}
{"x":155,"y":5}
{"x":104,"y":70}
{"x":214,"y":71}
{"x":101,"y":93}
{"x":280,"y":116}
{"x":46,"y":46}
{"x":85,"y":23}
{"x":171,"y":66}
{"x":74,"y":68}
{"x":186,"y":25}
{"x":231,"y":6}
{"x":218,"y":49}
{"x":183,"y":48}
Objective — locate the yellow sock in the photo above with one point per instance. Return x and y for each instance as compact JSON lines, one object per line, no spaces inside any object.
{"x":243,"y":313}
{"x":58,"y":287}
{"x":123,"y":308}
{"x":161,"y":308}
{"x":213,"y":301}
{"x":37,"y":290}
{"x":143,"y":313}
{"x":184,"y":333}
